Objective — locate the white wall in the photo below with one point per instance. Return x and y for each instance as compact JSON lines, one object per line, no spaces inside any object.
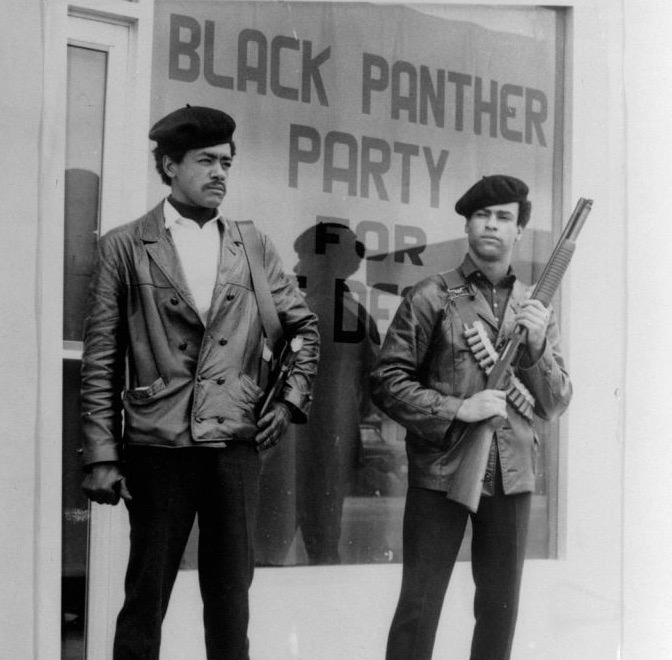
{"x":648,"y":436}
{"x":20,"y":114}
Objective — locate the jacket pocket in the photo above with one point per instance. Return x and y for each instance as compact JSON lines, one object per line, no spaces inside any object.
{"x":159,"y":411}
{"x":250,"y":387}
{"x":143,"y":394}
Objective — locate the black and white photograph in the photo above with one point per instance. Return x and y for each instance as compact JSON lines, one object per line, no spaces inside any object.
{"x":335,"y":330}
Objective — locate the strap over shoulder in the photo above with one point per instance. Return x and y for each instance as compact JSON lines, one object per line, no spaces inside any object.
{"x":254,"y":252}
{"x":460,"y":296}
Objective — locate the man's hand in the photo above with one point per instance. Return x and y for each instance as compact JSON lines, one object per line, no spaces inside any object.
{"x":483,"y":405}
{"x":105,"y":484}
{"x":533,"y":316}
{"x":272,"y":426}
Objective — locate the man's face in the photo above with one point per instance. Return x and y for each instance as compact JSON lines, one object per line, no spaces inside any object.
{"x":200,"y":178}
{"x":493,"y":230}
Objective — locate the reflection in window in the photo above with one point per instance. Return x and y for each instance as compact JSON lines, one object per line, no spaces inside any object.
{"x":84,"y":149}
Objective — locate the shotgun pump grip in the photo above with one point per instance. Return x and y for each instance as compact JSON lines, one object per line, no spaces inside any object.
{"x":548,"y":285}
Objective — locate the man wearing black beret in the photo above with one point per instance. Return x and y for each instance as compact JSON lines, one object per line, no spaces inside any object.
{"x":431,"y":377}
{"x":174,"y":341}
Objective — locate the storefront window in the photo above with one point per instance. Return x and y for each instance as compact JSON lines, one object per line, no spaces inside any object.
{"x":359,"y":126}
{"x":84,"y":147}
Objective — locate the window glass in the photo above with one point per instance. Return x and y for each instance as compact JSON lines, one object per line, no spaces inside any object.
{"x":359,"y":126}
{"x":84,"y":152}
{"x":85,"y":115}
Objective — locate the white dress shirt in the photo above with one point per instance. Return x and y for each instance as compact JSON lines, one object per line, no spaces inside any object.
{"x":199,"y":251}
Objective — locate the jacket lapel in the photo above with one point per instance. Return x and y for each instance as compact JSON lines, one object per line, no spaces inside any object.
{"x":232,"y":265}
{"x":482,"y":308}
{"x":161,"y":250}
{"x":232,"y":252}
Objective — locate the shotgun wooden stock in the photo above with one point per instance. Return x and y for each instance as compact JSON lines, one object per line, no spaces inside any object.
{"x":472,"y":446}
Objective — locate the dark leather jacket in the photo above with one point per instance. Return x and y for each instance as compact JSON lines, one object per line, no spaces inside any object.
{"x":146,"y":351}
{"x":426,"y":369}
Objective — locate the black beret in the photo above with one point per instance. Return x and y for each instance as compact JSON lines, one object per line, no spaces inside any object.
{"x":491,"y":190}
{"x":193,"y":127}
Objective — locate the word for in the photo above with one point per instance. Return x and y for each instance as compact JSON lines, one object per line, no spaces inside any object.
{"x":257,"y":61}
{"x":359,"y":164}
{"x":514,"y":112}
{"x":407,"y":242}
{"x":357,"y":310}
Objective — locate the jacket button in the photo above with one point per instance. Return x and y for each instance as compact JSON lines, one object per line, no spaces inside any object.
{"x":174,"y":300}
{"x":220,"y":420}
{"x":220,"y":381}
{"x":223,"y":342}
{"x":183,"y":346}
{"x":230,"y":296}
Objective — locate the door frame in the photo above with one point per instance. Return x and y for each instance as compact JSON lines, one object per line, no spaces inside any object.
{"x":124,"y":29}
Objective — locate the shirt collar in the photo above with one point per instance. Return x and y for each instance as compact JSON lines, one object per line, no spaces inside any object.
{"x":471,"y":272}
{"x":172,"y":217}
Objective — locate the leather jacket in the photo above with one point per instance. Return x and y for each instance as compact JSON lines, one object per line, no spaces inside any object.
{"x":426,"y":370}
{"x":147,"y":353}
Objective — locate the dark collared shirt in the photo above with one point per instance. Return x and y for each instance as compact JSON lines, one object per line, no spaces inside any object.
{"x":497,"y":294}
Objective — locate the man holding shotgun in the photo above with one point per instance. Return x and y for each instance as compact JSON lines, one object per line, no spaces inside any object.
{"x":431,"y":377}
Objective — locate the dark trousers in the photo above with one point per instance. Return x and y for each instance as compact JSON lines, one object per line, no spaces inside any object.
{"x":170,"y":487}
{"x":433,"y":531}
